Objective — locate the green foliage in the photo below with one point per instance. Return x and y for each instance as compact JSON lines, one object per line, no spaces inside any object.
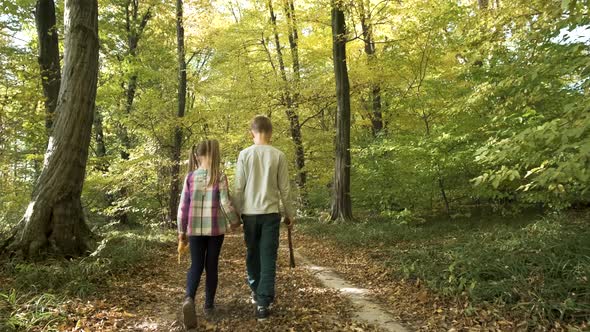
{"x":22,"y":312}
{"x":538,"y":268}
{"x":32,"y":293}
{"x":480,"y":107}
{"x":118,"y":250}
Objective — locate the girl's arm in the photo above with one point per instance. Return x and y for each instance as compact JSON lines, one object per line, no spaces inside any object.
{"x":225,"y":201}
{"x":239,"y":183}
{"x":184,"y":205}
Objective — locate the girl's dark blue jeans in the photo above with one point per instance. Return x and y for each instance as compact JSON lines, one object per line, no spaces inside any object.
{"x":205,"y":252}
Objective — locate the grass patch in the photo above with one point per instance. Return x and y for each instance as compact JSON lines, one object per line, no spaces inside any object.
{"x":538,"y":266}
{"x":30,"y":293}
{"x":29,"y":312}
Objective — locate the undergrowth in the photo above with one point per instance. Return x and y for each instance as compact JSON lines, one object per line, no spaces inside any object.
{"x":31,"y":294}
{"x":538,"y":268}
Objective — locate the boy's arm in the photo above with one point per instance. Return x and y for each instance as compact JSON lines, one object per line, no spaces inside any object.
{"x":240,"y":184}
{"x":184,"y":206}
{"x":225,"y":202}
{"x":285,"y":187}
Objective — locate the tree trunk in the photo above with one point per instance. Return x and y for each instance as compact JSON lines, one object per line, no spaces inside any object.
{"x":134,"y":27}
{"x":439,"y":178}
{"x":293,"y":117}
{"x":129,"y":98}
{"x":101,"y":150}
{"x":290,"y":98}
{"x":293,"y":38}
{"x":175,"y":180}
{"x":54,"y":219}
{"x":341,"y":202}
{"x":376,"y":116}
{"x":48,"y":57}
{"x":441,"y":187}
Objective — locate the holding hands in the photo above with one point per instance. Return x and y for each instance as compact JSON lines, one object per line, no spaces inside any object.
{"x":235,"y":227}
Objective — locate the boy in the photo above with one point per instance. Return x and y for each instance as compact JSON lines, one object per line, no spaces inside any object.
{"x":262,"y":178}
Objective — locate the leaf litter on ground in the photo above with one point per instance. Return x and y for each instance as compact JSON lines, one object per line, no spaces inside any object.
{"x":149,"y":298}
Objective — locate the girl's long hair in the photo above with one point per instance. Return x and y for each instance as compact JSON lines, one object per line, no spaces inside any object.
{"x":193,"y":162}
{"x":210,"y":149}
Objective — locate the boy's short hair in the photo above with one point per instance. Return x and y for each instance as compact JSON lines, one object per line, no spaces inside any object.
{"x":261,"y":124}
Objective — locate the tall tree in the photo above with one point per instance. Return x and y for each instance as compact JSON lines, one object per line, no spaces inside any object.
{"x":101,"y":150}
{"x":341,"y":202}
{"x":48,"y":56}
{"x":289,"y":97}
{"x":134,"y":28}
{"x":175,"y":180}
{"x":369,"y":41}
{"x":54,"y":218}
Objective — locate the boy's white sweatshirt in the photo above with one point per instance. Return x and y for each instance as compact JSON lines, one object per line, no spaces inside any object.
{"x":261,"y":180}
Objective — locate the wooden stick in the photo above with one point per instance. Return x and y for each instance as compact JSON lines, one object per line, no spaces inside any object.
{"x":291,"y":254}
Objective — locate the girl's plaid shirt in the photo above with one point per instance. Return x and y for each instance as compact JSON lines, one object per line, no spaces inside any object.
{"x":203,"y":210}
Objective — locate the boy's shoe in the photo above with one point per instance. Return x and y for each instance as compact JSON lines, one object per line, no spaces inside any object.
{"x":262,"y":313}
{"x":253,"y":298}
{"x":189,"y":314}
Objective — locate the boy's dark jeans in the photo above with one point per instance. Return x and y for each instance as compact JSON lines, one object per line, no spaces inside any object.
{"x":205,"y":252}
{"x":261,"y":233}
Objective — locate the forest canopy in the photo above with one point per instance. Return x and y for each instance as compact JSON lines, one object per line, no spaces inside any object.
{"x":455,"y":105}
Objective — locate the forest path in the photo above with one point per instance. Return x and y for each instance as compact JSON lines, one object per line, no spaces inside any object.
{"x":149,"y":300}
{"x":366,"y":309}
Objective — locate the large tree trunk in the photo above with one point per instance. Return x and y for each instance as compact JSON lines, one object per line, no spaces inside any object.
{"x":54,"y":219}
{"x":367,"y":27}
{"x":175,"y":180}
{"x":48,"y":57}
{"x":341,"y":202}
{"x":290,"y":97}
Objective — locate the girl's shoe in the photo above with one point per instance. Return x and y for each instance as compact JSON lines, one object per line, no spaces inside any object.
{"x":209,"y":310}
{"x":253,"y":298}
{"x":189,"y":314}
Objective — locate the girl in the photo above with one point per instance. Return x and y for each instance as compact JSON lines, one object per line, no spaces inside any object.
{"x":203,"y":216}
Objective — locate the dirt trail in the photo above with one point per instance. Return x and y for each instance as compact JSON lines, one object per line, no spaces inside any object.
{"x":366,"y":309}
{"x":150,"y":300}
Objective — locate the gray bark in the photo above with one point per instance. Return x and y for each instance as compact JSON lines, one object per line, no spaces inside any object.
{"x":175,"y":180}
{"x":54,"y":219}
{"x":134,"y":26}
{"x":341,"y":202}
{"x":48,"y":57}
{"x":101,"y":150}
{"x":290,"y":97}
{"x":376,"y":116}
